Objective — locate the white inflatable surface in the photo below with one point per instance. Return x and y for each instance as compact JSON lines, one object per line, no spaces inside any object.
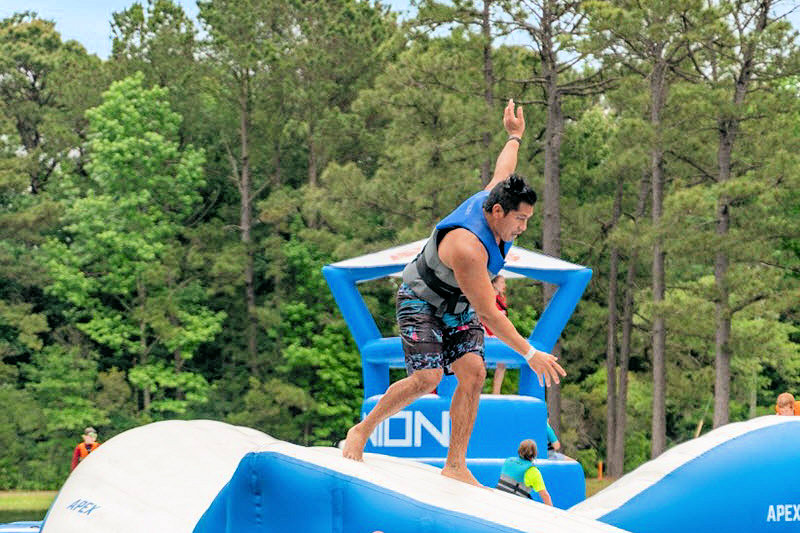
{"x":158,"y":477}
{"x":162,"y":477}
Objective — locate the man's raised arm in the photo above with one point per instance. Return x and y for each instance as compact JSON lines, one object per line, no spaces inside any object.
{"x":514,"y":123}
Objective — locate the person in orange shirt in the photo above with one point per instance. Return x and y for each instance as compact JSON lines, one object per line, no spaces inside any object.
{"x":785,"y":406}
{"x":86,"y":447}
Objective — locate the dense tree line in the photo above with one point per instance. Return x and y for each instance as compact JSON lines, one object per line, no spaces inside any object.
{"x":165,"y":213}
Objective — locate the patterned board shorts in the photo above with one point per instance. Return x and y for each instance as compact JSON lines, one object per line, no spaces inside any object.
{"x":430,"y":341}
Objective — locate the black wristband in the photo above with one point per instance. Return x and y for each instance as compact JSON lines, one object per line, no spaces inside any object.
{"x":515,"y":138}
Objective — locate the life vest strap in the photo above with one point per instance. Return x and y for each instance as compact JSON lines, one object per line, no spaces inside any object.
{"x":506,"y":484}
{"x":451,"y":295}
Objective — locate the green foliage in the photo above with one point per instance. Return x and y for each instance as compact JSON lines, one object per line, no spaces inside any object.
{"x":63,"y":382}
{"x":114,"y":396}
{"x":163,"y":382}
{"x":328,"y":370}
{"x":27,"y":325}
{"x":319,"y":356}
{"x":20,"y":426}
{"x":274,"y":407}
{"x":588,"y":460}
{"x":159,"y":40}
{"x":119,"y":263}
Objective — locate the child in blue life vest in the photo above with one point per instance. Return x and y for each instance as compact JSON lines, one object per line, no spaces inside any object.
{"x":520,"y":477}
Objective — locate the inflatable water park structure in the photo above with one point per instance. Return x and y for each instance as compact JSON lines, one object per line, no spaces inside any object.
{"x":203,"y":476}
{"x":422,"y":430}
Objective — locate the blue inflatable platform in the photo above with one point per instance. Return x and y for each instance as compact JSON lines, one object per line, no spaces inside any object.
{"x":742,"y":477}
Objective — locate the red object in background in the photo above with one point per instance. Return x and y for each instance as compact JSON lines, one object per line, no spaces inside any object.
{"x":500,"y":302}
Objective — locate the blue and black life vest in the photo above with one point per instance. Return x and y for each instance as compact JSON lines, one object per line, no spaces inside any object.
{"x":512,"y":477}
{"x":431,"y":280}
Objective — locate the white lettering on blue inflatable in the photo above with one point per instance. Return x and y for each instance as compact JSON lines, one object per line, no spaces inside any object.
{"x":413,"y":422}
{"x":405,"y":440}
{"x":789,"y":512}
{"x":83,"y":507}
{"x":442,"y":437}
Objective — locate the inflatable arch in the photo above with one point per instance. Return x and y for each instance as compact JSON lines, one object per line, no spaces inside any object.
{"x":422,"y":431}
{"x":742,"y":477}
{"x":210,"y":477}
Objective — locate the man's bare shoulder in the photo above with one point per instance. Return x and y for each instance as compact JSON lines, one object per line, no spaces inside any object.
{"x":461,"y":245}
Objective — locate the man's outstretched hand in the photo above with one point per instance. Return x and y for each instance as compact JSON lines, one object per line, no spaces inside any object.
{"x":514,"y":123}
{"x":545,"y":364}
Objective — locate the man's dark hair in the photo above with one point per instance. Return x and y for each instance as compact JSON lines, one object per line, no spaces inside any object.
{"x":509,"y":193}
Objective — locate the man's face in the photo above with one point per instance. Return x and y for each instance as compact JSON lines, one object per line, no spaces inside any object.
{"x":508,"y":226}
{"x":90,"y":438}
{"x":786,"y":410}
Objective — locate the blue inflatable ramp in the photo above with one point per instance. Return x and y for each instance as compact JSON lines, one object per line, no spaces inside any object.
{"x":204,"y":477}
{"x":742,"y":477}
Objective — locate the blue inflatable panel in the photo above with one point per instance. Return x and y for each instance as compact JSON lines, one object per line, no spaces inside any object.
{"x":422,"y":430}
{"x":743,"y":477}
{"x":315,"y":490}
{"x":272,"y":492}
{"x":564,"y":479}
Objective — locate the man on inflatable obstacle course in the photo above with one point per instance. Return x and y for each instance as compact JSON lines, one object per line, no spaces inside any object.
{"x":447,"y":292}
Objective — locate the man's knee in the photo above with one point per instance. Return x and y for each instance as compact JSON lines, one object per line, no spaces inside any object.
{"x":472,"y":373}
{"x":427,"y":379}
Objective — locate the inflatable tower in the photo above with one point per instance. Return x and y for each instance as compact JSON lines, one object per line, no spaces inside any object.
{"x":422,"y":430}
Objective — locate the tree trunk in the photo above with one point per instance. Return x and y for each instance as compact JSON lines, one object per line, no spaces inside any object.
{"x":722,"y":383}
{"x":488,"y":95}
{"x":312,"y":160}
{"x":611,"y":360}
{"x":728,"y":127}
{"x":658,"y":91}
{"x":142,"y":290}
{"x":617,"y":467}
{"x":551,"y":224}
{"x":554,"y":399}
{"x":180,"y":394}
{"x":611,"y":338}
{"x":177,"y":358}
{"x":246,"y":223}
{"x":277,"y":176}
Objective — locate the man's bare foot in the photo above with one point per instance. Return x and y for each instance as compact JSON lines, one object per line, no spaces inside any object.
{"x":460,"y":473}
{"x":354,"y":444}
